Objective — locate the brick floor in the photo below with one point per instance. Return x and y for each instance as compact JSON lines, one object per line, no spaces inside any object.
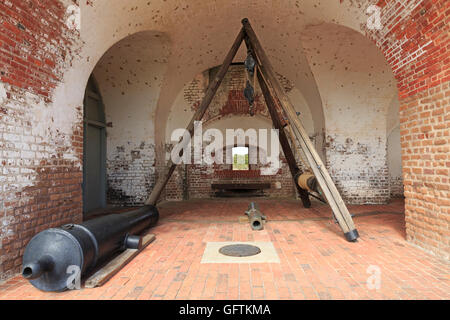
{"x":316,"y":261}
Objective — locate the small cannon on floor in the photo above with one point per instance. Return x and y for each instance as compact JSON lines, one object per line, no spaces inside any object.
{"x":56,"y":258}
{"x":255,"y":217}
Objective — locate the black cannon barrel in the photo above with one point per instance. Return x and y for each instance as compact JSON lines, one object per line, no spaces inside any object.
{"x":53,"y":256}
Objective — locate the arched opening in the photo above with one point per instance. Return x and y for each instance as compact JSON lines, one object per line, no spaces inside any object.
{"x":94,"y":150}
{"x":360,"y":101}
{"x":229,"y":110}
{"x":129,"y":76}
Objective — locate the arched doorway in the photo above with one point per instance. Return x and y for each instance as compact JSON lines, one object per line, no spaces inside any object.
{"x":94,"y":150}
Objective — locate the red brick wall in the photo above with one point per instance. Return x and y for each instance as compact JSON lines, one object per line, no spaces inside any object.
{"x":416,"y":44}
{"x":229,"y":101}
{"x":34,"y":42}
{"x":425,"y":119}
{"x":196,"y":182}
{"x":39,"y":187}
{"x":200,"y":179}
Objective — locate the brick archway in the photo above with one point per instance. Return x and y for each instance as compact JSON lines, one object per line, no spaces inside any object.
{"x":415,"y":40}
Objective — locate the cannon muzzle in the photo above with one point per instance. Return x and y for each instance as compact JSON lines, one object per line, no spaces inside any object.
{"x":255,"y":217}
{"x":36,"y":269}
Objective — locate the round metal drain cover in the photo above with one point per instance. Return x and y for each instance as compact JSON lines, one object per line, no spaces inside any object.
{"x":239,"y":250}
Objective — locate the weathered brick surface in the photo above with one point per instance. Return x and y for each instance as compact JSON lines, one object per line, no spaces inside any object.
{"x":40,"y":177}
{"x":359,"y":184}
{"x":201,"y":177}
{"x":196,"y":182}
{"x":415,"y":41}
{"x":425,"y":142}
{"x":229,"y":99}
{"x":35,"y":42}
{"x":396,"y":185}
{"x":131,"y":174}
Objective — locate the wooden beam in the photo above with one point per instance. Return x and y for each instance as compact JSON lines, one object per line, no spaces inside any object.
{"x":323,"y":177}
{"x":280,"y":124}
{"x":284,"y":142}
{"x":102,"y":276}
{"x":243,"y":186}
{"x":209,"y":95}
